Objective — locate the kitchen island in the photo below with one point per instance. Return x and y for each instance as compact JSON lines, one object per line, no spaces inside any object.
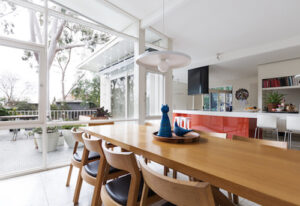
{"x":232,"y":123}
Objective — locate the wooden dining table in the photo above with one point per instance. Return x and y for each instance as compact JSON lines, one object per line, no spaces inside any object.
{"x":263,"y":174}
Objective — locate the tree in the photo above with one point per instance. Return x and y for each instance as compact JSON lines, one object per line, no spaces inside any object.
{"x":88,"y":91}
{"x":63,"y":38}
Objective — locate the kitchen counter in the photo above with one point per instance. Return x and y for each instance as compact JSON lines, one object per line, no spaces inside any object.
{"x":232,"y":123}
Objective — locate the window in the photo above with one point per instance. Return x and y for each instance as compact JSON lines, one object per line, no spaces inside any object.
{"x":19,"y":84}
{"x":154,"y":93}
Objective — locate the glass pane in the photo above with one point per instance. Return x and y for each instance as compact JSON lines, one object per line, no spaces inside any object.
{"x":118,"y":97}
{"x":155,"y":39}
{"x":154,"y":93}
{"x":214,"y":101}
{"x":206,"y":102}
{"x":19,"y":84}
{"x":130,"y":81}
{"x":20,"y":23}
{"x":19,"y":150}
{"x":74,"y":82}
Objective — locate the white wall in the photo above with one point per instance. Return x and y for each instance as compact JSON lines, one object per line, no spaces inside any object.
{"x":217,"y":78}
{"x":279,"y":69}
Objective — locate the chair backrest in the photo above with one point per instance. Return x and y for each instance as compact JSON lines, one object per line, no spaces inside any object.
{"x":101,"y":123}
{"x":293,"y":123}
{"x":271,"y":143}
{"x":125,"y":161}
{"x":77,"y":134}
{"x":92,"y":143}
{"x":267,"y":121}
{"x":178,"y":192}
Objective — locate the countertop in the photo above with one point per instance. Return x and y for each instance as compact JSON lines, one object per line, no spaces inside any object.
{"x":234,"y":114}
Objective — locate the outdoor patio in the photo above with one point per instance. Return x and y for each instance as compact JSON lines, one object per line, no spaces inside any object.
{"x":22,"y":154}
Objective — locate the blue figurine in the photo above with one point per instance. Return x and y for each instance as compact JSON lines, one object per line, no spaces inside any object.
{"x":165,"y":126}
{"x":179,"y":131}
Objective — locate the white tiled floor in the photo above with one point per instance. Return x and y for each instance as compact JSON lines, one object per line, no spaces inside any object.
{"x":48,"y":189}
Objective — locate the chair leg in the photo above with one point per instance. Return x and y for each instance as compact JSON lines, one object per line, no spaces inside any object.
{"x":69,"y":175}
{"x":284,"y":136}
{"x":174,"y":174}
{"x":166,"y":170}
{"x":78,"y":188}
{"x":290,"y":140}
{"x":235,"y":199}
{"x":277,"y":134}
{"x":229,"y":196}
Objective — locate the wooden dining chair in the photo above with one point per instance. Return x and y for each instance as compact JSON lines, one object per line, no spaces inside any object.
{"x":278,"y":144}
{"x":177,"y":192}
{"x":125,"y":190}
{"x":93,"y":172}
{"x":76,"y":160}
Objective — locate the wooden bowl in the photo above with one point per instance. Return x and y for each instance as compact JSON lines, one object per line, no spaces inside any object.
{"x":187,"y":138}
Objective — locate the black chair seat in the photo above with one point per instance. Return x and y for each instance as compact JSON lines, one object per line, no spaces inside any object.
{"x":168,"y":204}
{"x":92,"y":156}
{"x":92,"y":168}
{"x":118,"y":189}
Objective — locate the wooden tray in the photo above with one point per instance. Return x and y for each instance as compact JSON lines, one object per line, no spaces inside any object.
{"x":187,"y":138}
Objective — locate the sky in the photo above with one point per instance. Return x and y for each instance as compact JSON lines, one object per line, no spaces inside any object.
{"x":12,"y":64}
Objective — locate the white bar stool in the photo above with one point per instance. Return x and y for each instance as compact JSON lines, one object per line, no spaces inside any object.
{"x":186,"y":122}
{"x":266,"y":122}
{"x":292,"y":126}
{"x":178,"y":120}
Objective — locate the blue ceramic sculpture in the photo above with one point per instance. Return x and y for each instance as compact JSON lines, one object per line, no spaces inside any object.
{"x":165,"y":126}
{"x":179,"y":131}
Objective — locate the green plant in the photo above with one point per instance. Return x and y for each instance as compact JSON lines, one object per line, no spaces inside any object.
{"x":101,"y":112}
{"x":49,"y":130}
{"x":68,"y":127}
{"x":274,"y":98}
{"x":3,"y":111}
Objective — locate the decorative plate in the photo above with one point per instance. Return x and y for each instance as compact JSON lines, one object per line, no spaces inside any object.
{"x":187,"y":138}
{"x":242,"y":94}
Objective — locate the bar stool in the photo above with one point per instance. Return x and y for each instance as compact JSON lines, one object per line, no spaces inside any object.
{"x":178,"y":120}
{"x":292,"y":126}
{"x":186,"y":122}
{"x":266,"y":122}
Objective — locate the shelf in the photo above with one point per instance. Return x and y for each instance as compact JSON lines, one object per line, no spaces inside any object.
{"x":279,"y":88}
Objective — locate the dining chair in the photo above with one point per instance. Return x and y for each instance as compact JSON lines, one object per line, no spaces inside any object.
{"x":76,"y":160}
{"x":278,"y":144}
{"x":292,"y":126}
{"x":125,"y":190}
{"x":176,"y":192}
{"x":93,"y":172}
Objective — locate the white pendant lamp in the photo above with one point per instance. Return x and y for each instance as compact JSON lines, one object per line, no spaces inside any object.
{"x":163,"y":60}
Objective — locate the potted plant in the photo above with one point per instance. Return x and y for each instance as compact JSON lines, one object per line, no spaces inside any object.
{"x":68,"y":136}
{"x":273,"y":99}
{"x":53,"y":135}
{"x":101,"y":113}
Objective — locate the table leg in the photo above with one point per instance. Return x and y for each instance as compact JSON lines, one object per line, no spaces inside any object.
{"x":220,"y":198}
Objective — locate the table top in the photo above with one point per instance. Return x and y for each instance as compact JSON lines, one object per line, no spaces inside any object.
{"x":264,"y":174}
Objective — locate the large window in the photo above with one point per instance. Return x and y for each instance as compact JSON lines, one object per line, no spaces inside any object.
{"x":154,"y":93}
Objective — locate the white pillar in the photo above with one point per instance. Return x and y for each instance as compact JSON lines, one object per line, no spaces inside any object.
{"x":168,"y":87}
{"x":140,"y":79}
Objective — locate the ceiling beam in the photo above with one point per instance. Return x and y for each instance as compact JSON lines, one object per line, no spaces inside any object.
{"x":157,"y":16}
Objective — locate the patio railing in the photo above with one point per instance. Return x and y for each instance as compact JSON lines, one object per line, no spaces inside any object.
{"x":57,"y":114}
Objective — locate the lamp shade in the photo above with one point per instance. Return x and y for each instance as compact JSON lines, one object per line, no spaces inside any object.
{"x":163,"y":60}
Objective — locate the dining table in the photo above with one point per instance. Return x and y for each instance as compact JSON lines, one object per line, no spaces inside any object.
{"x":263,"y":174}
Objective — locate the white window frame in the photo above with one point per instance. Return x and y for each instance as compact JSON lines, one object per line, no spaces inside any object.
{"x":44,"y":76}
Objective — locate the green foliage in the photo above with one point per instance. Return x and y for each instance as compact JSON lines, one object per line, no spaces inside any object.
{"x":88,"y":91}
{"x":274,"y":98}
{"x":49,"y":130}
{"x":23,"y":105}
{"x":62,"y":106}
{"x":3,"y":111}
{"x":68,"y":127}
